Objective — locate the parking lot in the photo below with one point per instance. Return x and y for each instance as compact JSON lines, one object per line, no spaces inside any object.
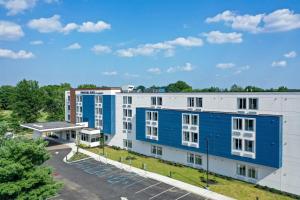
{"x":90,"y":179}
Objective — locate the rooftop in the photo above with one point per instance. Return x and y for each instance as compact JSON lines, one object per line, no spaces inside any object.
{"x":51,"y":126}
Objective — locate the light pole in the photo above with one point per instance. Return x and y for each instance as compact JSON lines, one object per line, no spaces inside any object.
{"x":102,"y":140}
{"x":207,"y":162}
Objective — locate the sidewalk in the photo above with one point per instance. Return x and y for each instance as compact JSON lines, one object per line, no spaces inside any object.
{"x":179,"y":184}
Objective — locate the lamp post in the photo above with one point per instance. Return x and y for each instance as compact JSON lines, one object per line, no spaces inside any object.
{"x":207,"y":162}
{"x":102,"y":140}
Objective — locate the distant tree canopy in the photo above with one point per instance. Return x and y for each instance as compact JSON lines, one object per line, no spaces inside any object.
{"x":82,"y":86}
{"x":6,"y":96}
{"x":22,"y":175}
{"x":179,"y":86}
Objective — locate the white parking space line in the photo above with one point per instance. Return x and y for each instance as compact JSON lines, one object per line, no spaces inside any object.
{"x":134,"y":183}
{"x":183,"y":196}
{"x":162,"y":192}
{"x":148,"y":187}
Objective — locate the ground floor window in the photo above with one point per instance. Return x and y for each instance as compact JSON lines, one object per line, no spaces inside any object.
{"x":105,"y":138}
{"x":247,"y":171}
{"x":156,"y":150}
{"x":194,"y":159}
{"x":73,"y":134}
{"x":95,"y":139}
{"x":127,"y":143}
{"x":84,"y":137}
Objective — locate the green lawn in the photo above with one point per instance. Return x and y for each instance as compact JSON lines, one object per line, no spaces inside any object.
{"x":77,"y":156}
{"x":232,"y":188}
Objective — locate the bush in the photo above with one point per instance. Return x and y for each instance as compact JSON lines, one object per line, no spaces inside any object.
{"x":84,"y":146}
{"x":115,"y":148}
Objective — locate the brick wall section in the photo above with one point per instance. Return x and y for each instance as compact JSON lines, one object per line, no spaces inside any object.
{"x":73,"y":106}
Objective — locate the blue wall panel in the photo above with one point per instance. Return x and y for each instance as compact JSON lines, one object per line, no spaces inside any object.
{"x":217,"y":128}
{"x":88,"y":110}
{"x":109,"y":114}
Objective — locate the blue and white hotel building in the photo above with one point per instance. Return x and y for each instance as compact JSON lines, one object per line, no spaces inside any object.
{"x":254,"y":137}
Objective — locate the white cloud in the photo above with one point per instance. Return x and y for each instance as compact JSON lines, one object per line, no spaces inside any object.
{"x":36,"y":42}
{"x":7,"y":53}
{"x":129,"y":75}
{"x":17,"y":6}
{"x":167,"y":47}
{"x":73,"y":46}
{"x":220,"y":38}
{"x":53,"y":24}
{"x":241,"y":69}
{"x":185,"y":68}
{"x":10,"y":30}
{"x":154,"y":70}
{"x":100,"y":49}
{"x":277,"y":21}
{"x":94,"y":27}
{"x":281,"y":63}
{"x":225,"y":65}
{"x":46,"y":25}
{"x":291,"y":54}
{"x":110,"y":73}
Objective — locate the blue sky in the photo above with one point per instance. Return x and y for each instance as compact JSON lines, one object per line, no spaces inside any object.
{"x":205,"y":43}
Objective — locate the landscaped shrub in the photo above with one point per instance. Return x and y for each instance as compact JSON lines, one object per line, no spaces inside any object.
{"x":84,"y":146}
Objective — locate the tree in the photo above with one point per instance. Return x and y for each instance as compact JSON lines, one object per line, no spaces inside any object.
{"x":179,"y":86}
{"x":83,"y":86}
{"x":282,"y":89}
{"x":3,"y":125}
{"x":22,"y":175}
{"x":236,"y":88}
{"x":253,"y":89}
{"x":141,"y":88}
{"x":27,"y":101}
{"x":6,"y":95}
{"x":54,"y":100}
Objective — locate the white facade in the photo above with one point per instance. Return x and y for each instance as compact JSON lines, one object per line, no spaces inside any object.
{"x":286,"y":178}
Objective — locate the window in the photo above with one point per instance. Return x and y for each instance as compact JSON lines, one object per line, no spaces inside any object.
{"x":194,"y":137}
{"x":73,"y":134}
{"x":98,"y":111}
{"x":155,"y":116}
{"x":253,"y":103}
{"x":98,"y":99}
{"x":153,"y":101}
{"x":152,"y":115}
{"x":186,"y":119}
{"x":194,"y":119}
{"x":130,"y":100}
{"x":156,"y":101}
{"x":190,"y":158}
{"x":69,"y":107}
{"x":237,"y":123}
{"x":159,"y":101}
{"x":198,"y":160}
{"x":194,"y":159}
{"x":190,"y":102}
{"x":249,"y":124}
{"x":127,"y":126}
{"x":241,"y":170}
{"x":249,"y":145}
{"x":156,"y":150}
{"x":186,"y":136}
{"x":96,"y":139}
{"x":148,"y":115}
{"x":127,"y":143}
{"x":124,"y":99}
{"x":148,"y":130}
{"x":252,"y":172}
{"x":154,"y":131}
{"x":198,"y":102}
{"x":237,"y":144}
{"x":242,"y":103}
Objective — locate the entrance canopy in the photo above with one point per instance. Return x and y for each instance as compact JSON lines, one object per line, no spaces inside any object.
{"x":52,"y":126}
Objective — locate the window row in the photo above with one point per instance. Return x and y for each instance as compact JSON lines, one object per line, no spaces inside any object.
{"x":79,"y":119}
{"x":252,"y":103}
{"x":156,"y":150}
{"x":98,"y":123}
{"x":127,"y":143}
{"x":98,"y":111}
{"x":152,"y":115}
{"x":246,"y":171}
{"x":127,"y":113}
{"x":151,"y":131}
{"x":156,"y":101}
{"x":194,"y":102}
{"x":98,"y":99}
{"x":243,"y":145}
{"x":127,"y":100}
{"x":78,"y":98}
{"x":78,"y":108}
{"x":246,"y":124}
{"x":127,"y":126}
{"x":188,"y":136}
{"x":190,"y":119}
{"x":194,"y":159}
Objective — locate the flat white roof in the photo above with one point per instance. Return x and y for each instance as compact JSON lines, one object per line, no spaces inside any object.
{"x":52,"y":126}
